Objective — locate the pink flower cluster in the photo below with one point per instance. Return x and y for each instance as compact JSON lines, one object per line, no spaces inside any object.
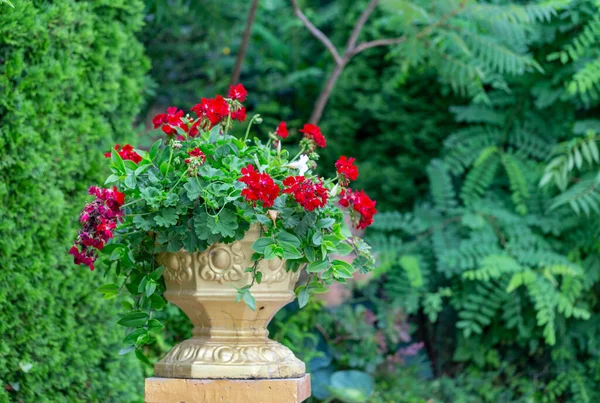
{"x":99,"y":219}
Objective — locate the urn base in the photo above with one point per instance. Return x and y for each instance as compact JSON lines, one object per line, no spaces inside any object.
{"x":199,"y":357}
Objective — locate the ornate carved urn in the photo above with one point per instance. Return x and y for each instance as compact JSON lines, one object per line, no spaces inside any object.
{"x":229,"y":339}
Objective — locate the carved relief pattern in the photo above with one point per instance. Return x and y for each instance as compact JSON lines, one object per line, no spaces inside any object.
{"x":222,"y":263}
{"x":274,"y":271}
{"x":178,"y":267}
{"x":264,"y":354}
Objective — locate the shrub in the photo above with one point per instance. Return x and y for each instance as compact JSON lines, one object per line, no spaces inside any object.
{"x":71,"y":79}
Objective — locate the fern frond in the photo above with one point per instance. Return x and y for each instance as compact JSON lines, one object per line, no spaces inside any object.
{"x":545,"y":298}
{"x":478,"y":114}
{"x":516,"y":179}
{"x":480,"y":177}
{"x":586,"y":82}
{"x":493,"y":267}
{"x":442,"y":189}
{"x":582,"y":197}
{"x":571,"y":155}
{"x":498,"y":57}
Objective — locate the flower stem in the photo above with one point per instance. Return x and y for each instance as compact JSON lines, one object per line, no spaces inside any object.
{"x":249,"y":126}
{"x":169,"y":164}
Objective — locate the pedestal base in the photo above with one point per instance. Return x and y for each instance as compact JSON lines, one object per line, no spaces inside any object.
{"x":174,"y":390}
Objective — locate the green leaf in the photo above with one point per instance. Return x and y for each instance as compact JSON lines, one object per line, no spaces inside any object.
{"x":258,"y":277}
{"x":108,"y":288}
{"x":225,"y":223}
{"x":142,"y":357}
{"x":150,"y":288}
{"x":155,"y":149}
{"x":154,"y":326}
{"x":167,"y":218}
{"x":130,"y":181}
{"x":126,"y":350}
{"x":303,"y":295}
{"x":270,"y":252}
{"x":156,"y":274}
{"x":261,"y":243}
{"x":325,"y":223}
{"x":157,"y":302}
{"x":250,"y":300}
{"x":344,"y":249}
{"x":202,"y":227}
{"x":117,"y":162}
{"x":131,"y":338}
{"x":133,"y":319}
{"x":193,"y":189}
{"x":288,"y":238}
{"x":290,"y":251}
{"x":316,"y":267}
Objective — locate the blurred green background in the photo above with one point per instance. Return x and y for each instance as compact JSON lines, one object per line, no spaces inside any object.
{"x":475,"y":130}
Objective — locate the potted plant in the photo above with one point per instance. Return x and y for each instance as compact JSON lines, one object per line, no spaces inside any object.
{"x":223,"y":227}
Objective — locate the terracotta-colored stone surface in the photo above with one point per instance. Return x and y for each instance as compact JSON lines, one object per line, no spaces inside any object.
{"x":174,"y":390}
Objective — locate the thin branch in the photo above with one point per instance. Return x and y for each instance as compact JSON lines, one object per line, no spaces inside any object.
{"x":396,"y":41}
{"x":359,"y":25}
{"x":237,"y":70}
{"x":378,"y":42}
{"x":317,"y":33}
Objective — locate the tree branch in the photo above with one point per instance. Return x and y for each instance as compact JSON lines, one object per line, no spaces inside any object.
{"x":378,"y":42}
{"x":317,"y":33}
{"x":359,"y":25}
{"x":237,"y":70}
{"x":396,"y":41}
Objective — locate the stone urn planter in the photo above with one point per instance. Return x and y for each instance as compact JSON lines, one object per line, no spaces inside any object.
{"x":229,"y":340}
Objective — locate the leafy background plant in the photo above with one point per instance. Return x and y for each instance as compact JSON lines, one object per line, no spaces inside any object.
{"x":477,"y":138}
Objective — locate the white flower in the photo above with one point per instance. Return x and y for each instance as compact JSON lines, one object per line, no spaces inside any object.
{"x":301,"y":165}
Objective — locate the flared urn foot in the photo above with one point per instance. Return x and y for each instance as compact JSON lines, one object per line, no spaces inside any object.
{"x":200,"y":358}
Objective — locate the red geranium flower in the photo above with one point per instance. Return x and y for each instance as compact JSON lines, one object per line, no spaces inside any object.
{"x":237,"y":92}
{"x":282,"y":130}
{"x":214,"y":109}
{"x":308,"y":194}
{"x":126,"y":153}
{"x":346,"y":169}
{"x":240,"y":114}
{"x":360,"y":203}
{"x":260,"y":187}
{"x":313,"y":132}
{"x":168,"y":121}
{"x":196,"y":156}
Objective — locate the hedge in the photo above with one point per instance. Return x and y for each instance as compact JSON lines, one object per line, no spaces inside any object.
{"x":71,"y":82}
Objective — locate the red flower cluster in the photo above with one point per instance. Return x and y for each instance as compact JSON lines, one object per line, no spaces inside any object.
{"x":346,"y":170}
{"x":237,"y":92}
{"x":240,"y":114}
{"x":169,"y":121}
{"x":260,"y":187}
{"x":308,"y":194}
{"x":99,"y":219}
{"x":313,"y":133}
{"x":282,"y":130}
{"x":197,"y":157}
{"x":362,"y":204}
{"x":126,"y":152}
{"x":214,"y":109}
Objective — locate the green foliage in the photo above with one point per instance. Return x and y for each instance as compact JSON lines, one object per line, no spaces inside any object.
{"x":506,"y":243}
{"x":71,"y":79}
